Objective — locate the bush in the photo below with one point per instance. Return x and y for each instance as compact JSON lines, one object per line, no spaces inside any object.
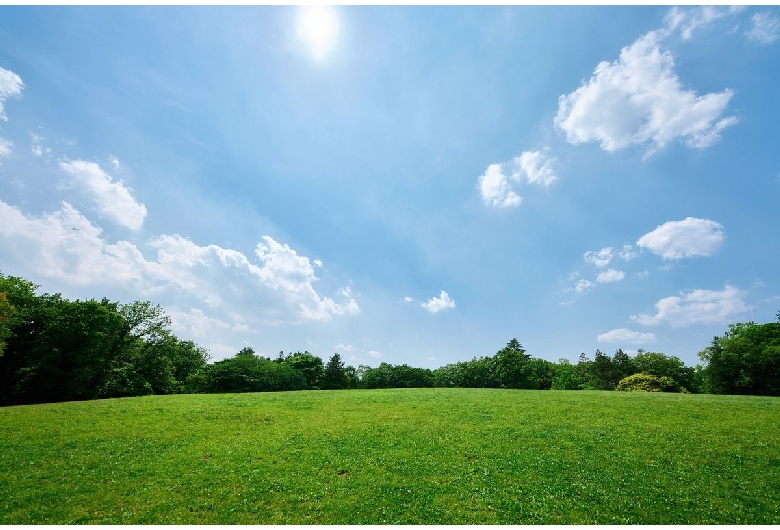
{"x":644,"y":382}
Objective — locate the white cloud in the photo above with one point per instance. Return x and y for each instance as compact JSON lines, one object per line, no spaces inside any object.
{"x":765,"y":30}
{"x":535,"y":167}
{"x":195,"y":322}
{"x":496,"y":190}
{"x":697,"y":307}
{"x":434,"y":305}
{"x":639,"y":100}
{"x":688,"y":238}
{"x":626,"y":335}
{"x":601,"y":258}
{"x":497,"y":184}
{"x":6,"y":148}
{"x":408,"y":299}
{"x":627,"y":253}
{"x":64,"y":245}
{"x":114,"y":161}
{"x":113,"y":199}
{"x":610,"y":275}
{"x":583,"y":286}
{"x":346,"y":348}
{"x":10,"y":85}
{"x":688,"y":20}
{"x":374,"y":354}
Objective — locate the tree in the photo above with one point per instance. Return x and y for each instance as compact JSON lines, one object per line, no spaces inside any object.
{"x":311,"y":367}
{"x":335,"y":376}
{"x":745,"y":360}
{"x":660,"y":365}
{"x":565,"y":376}
{"x":6,"y":312}
{"x":511,"y":365}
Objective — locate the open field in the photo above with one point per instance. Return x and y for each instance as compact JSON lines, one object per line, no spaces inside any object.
{"x":455,"y":456}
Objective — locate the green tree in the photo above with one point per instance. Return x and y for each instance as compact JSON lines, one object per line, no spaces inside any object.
{"x":660,"y":365}
{"x":745,"y":360}
{"x":566,"y":376}
{"x":335,"y":376}
{"x":310,"y":365}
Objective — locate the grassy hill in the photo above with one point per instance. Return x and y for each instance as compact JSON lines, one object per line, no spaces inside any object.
{"x":451,"y":456}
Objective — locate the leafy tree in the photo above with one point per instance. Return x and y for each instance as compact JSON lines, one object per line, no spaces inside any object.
{"x":660,"y":365}
{"x":249,"y":373}
{"x":335,"y":376}
{"x":310,"y":365}
{"x":565,"y":376}
{"x":745,"y":360}
{"x":511,"y":366}
{"x":6,"y":312}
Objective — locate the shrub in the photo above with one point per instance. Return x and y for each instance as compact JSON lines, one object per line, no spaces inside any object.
{"x":644,"y":382}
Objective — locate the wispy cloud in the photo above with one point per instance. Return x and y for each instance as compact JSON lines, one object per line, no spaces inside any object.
{"x":765,"y":30}
{"x":626,"y":336}
{"x":113,"y":199}
{"x":583,"y":286}
{"x":697,"y":307}
{"x":10,"y":86}
{"x":6,"y":148}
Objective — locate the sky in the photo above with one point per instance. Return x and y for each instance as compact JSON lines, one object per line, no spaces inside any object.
{"x":410,"y":185}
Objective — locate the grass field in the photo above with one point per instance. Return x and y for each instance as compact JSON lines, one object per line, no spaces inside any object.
{"x":450,"y":456}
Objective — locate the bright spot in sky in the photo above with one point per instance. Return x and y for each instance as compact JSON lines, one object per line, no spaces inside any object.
{"x":318,"y":27}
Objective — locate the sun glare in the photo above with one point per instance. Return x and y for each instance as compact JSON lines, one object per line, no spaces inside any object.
{"x":318,"y":27}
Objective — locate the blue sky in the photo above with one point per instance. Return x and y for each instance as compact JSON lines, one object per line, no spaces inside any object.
{"x":400,"y":184}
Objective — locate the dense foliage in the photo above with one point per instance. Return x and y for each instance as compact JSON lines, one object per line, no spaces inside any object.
{"x":745,"y":360}
{"x":54,"y":349}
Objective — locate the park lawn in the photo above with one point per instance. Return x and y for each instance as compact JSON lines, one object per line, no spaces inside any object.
{"x":414,"y":456}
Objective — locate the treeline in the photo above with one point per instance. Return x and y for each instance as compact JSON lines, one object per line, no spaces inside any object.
{"x":53,"y":349}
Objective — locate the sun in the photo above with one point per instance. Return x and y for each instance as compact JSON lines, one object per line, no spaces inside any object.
{"x":318,"y":27}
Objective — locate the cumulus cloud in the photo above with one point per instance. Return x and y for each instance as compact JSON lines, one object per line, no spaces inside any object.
{"x":10,"y":85}
{"x":697,"y":307}
{"x":765,"y":30}
{"x":113,"y":199}
{"x":197,"y":323}
{"x":536,"y":167}
{"x":639,"y":100}
{"x":408,"y":299}
{"x":610,"y":275}
{"x":6,"y":148}
{"x":434,"y":305}
{"x":65,"y":245}
{"x":374,"y":354}
{"x":496,"y":190}
{"x":626,"y":336}
{"x":497,"y":185}
{"x":688,"y":238}
{"x":583,"y":286}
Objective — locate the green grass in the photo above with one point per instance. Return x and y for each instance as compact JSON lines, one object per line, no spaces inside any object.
{"x":450,"y":456}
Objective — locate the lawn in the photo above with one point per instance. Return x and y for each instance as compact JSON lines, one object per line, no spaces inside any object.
{"x":450,"y":456}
